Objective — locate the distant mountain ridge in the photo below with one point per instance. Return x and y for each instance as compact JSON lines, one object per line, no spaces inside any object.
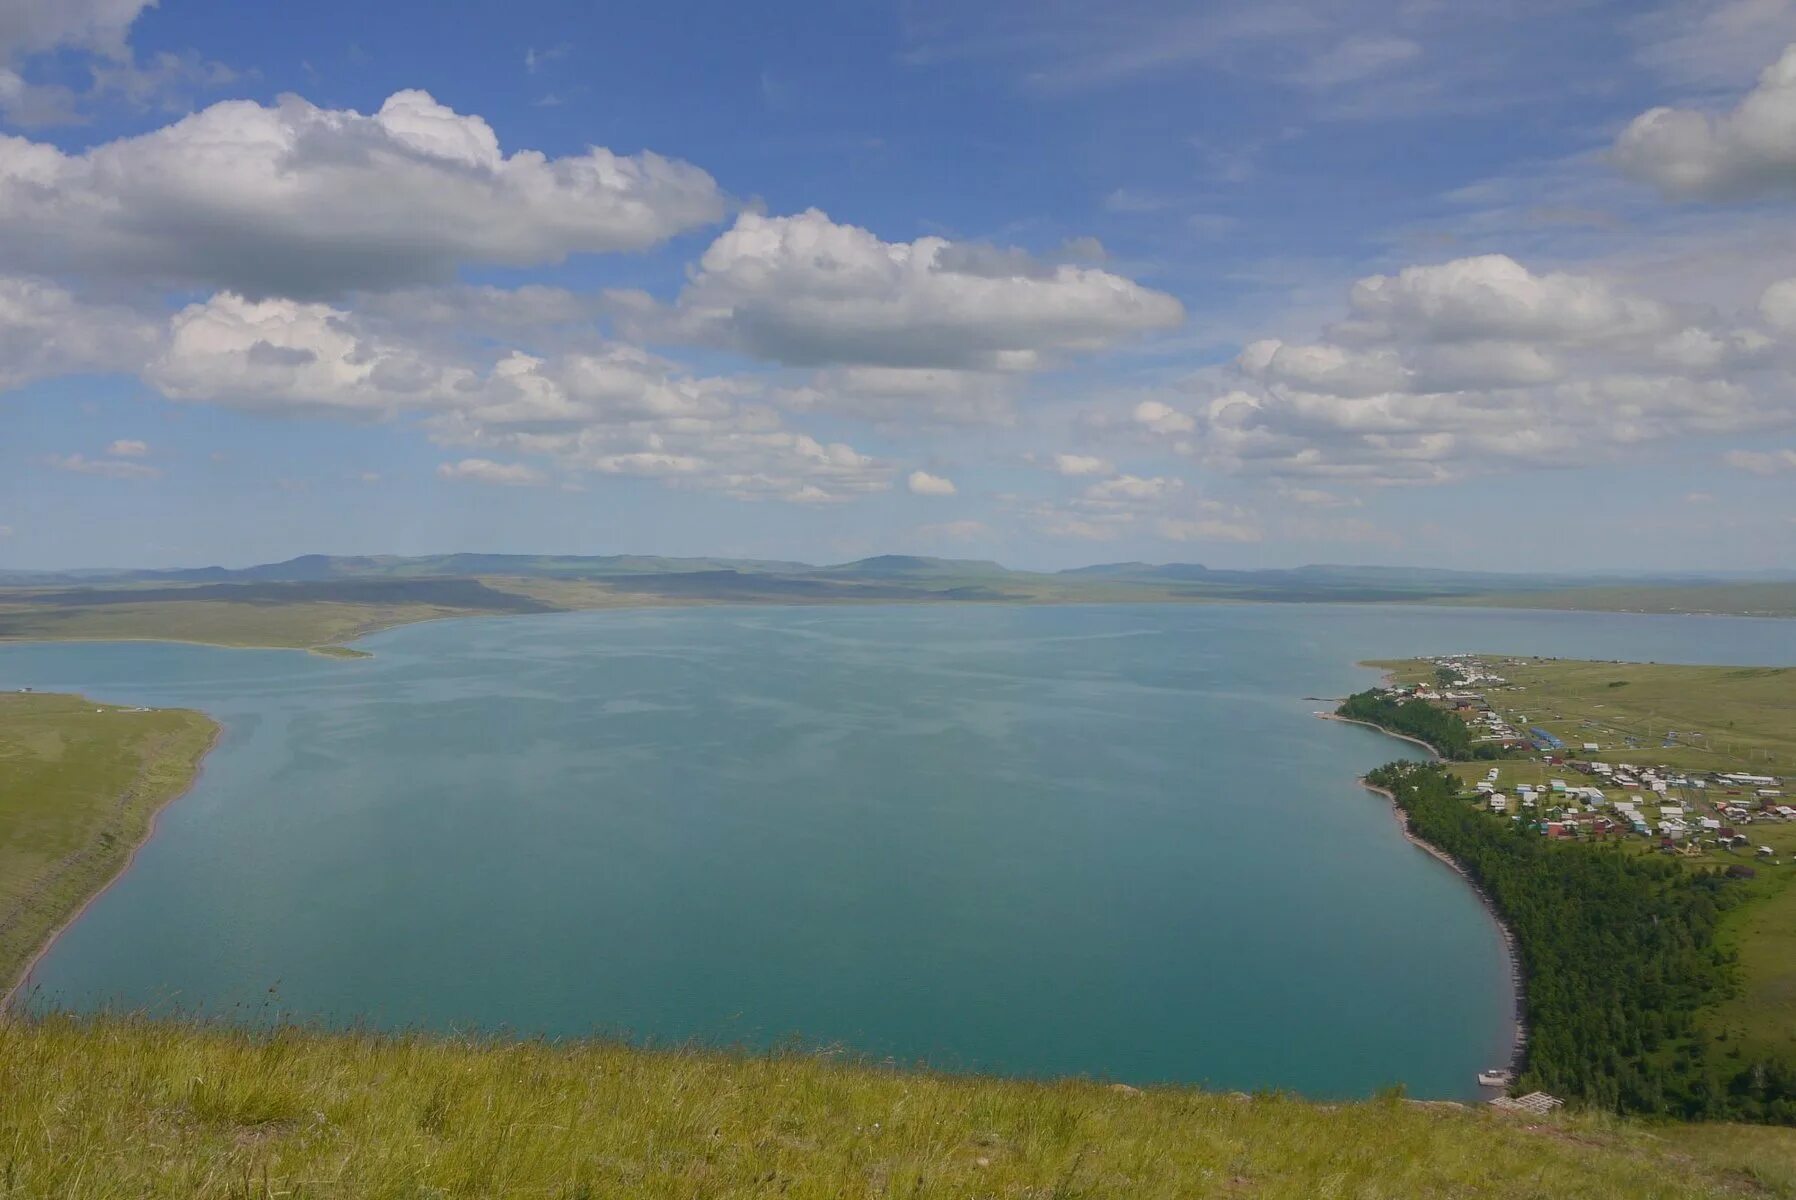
{"x":323,"y":568}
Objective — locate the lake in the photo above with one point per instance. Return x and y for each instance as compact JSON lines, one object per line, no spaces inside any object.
{"x":1100,"y":840}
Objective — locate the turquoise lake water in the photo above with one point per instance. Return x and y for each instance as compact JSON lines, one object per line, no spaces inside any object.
{"x":1106,"y":840}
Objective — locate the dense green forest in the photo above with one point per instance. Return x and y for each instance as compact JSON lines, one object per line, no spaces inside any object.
{"x":1443,"y":730}
{"x":1619,"y":952}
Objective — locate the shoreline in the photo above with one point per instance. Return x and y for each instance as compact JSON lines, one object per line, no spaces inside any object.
{"x":18,"y":987}
{"x":322,"y":651}
{"x":1432,"y":752}
{"x":1519,"y":985}
{"x":1518,"y":979}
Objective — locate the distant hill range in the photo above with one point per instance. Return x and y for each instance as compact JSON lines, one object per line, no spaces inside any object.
{"x":886,"y":576}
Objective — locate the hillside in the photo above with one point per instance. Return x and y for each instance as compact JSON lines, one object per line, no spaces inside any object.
{"x":127,"y":1108}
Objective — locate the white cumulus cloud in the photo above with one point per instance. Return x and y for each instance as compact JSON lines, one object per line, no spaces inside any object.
{"x":1082,"y":464}
{"x":108,"y":468}
{"x":1480,"y":364}
{"x":922,"y":483}
{"x":1762,"y":462}
{"x":296,"y":200}
{"x":485,"y":470}
{"x":33,"y":27}
{"x":806,"y":290}
{"x":1749,"y":150}
{"x":285,"y":355}
{"x":45,"y":330}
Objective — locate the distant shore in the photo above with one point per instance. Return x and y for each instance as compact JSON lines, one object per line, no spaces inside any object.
{"x":19,"y":984}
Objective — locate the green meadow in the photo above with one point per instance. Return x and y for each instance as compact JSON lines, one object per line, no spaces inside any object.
{"x":80,"y":784}
{"x":126,"y":1108}
{"x":1738,"y":599}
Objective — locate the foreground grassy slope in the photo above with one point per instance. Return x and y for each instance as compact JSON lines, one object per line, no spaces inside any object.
{"x":125,"y":1108}
{"x":79,"y":785}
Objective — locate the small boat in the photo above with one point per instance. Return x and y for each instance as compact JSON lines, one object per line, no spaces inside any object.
{"x":1495,"y":1078}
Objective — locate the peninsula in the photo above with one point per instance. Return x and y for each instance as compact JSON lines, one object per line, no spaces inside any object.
{"x":1629,"y":824}
{"x":80,"y":786}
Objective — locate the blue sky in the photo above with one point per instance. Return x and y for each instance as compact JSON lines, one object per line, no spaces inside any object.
{"x":1048,"y":282}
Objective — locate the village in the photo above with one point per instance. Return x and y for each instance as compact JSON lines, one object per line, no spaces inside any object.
{"x":1571,"y":788}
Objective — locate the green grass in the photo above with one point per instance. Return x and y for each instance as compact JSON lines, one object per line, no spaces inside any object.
{"x":1761,"y":1020}
{"x":214,"y":622}
{"x":120,"y":1107}
{"x":1740,"y":599}
{"x":80,"y":783}
{"x":1726,"y":718}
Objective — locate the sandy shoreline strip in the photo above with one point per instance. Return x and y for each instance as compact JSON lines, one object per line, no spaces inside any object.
{"x":1403,"y":737}
{"x":1519,"y":1046}
{"x":22,"y":983}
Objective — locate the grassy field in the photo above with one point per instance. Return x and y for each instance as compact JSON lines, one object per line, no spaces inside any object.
{"x":318,"y":624}
{"x":1716,"y":719}
{"x":1739,"y":599}
{"x":80,"y":784}
{"x":125,"y":1108}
